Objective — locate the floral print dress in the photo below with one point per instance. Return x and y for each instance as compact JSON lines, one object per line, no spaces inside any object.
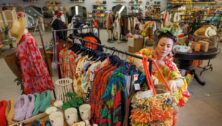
{"x":35,"y":75}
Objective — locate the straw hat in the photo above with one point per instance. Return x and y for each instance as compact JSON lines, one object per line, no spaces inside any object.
{"x":206,"y":30}
{"x":18,"y":27}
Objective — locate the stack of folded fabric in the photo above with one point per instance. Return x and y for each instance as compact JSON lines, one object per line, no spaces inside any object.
{"x":25,"y":107}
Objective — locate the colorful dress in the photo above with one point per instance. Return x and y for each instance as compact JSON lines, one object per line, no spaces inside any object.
{"x":67,"y":63}
{"x":35,"y":75}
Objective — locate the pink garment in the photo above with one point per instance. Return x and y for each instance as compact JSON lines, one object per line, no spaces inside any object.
{"x":67,"y":63}
{"x":35,"y":75}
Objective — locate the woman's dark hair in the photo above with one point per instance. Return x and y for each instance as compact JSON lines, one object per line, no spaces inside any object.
{"x":165,"y":35}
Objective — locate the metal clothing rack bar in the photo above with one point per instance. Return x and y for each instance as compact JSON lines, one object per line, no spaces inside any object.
{"x":104,"y":46}
{"x":116,"y":50}
{"x":110,"y":48}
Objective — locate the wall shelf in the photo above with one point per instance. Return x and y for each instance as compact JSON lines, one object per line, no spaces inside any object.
{"x":76,"y":2}
{"x":192,"y":2}
{"x":119,"y":1}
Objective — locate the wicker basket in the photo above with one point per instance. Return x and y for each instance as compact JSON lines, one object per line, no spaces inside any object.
{"x":62,"y":87}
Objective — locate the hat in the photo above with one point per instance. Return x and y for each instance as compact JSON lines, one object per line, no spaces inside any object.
{"x":18,"y":26}
{"x":206,"y":30}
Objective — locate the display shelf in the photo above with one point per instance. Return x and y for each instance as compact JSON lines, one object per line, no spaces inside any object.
{"x":76,"y":2}
{"x":30,"y":120}
{"x":99,"y":4}
{"x":119,"y":1}
{"x":192,"y":2}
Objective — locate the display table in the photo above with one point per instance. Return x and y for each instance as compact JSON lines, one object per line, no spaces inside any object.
{"x":185,"y":61}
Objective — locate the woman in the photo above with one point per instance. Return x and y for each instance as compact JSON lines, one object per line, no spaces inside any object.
{"x":162,"y":54}
{"x":58,"y":24}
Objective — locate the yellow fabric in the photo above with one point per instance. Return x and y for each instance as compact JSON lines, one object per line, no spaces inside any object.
{"x":9,"y":113}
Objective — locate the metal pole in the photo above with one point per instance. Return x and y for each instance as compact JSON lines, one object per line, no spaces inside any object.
{"x":44,"y":50}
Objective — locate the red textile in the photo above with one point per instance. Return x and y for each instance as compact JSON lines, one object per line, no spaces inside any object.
{"x":35,"y":75}
{"x":3,"y":105}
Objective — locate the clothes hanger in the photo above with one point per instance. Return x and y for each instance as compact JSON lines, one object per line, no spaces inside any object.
{"x":75,"y":47}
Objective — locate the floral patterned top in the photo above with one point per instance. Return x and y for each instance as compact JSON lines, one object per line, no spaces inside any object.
{"x":35,"y":75}
{"x":67,"y":63}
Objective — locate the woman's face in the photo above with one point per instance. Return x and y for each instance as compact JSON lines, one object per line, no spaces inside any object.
{"x":164,"y":47}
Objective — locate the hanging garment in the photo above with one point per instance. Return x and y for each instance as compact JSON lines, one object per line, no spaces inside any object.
{"x":124,"y":26}
{"x":99,"y":85}
{"x":109,"y":22}
{"x":94,"y":96}
{"x":3,"y":106}
{"x":67,"y":63}
{"x":92,"y":38}
{"x":117,"y":30}
{"x":35,"y":75}
{"x":77,"y":81}
{"x":114,"y":98}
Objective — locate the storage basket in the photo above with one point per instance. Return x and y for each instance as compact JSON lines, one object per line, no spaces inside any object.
{"x":153,"y":107}
{"x":62,"y":87}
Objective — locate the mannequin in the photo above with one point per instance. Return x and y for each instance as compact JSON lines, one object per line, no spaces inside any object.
{"x":56,"y":119}
{"x":30,"y":59}
{"x":71,"y":116}
{"x":109,"y":26}
{"x":85,"y":113}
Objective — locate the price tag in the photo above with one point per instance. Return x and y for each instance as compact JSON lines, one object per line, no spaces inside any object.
{"x":137,"y":87}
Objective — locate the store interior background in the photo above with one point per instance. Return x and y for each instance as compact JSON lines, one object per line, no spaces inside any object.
{"x":203,"y":109}
{"x":88,"y":3}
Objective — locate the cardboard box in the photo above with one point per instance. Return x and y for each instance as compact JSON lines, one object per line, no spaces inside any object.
{"x":136,"y":45}
{"x":204,"y":46}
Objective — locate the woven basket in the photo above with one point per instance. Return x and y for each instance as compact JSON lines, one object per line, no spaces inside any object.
{"x":63,"y":86}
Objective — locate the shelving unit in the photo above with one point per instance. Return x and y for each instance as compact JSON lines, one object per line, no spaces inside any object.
{"x":119,"y":1}
{"x":77,"y":1}
{"x":192,"y":2}
{"x":135,"y":6}
{"x":192,"y":14}
{"x":99,"y":12}
{"x":152,"y":9}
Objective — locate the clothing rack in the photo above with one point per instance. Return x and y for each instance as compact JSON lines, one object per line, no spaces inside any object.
{"x":104,"y":46}
{"x":116,"y":50}
{"x":152,"y":19}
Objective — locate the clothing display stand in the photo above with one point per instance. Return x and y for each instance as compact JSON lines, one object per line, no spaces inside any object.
{"x":100,"y":45}
{"x":30,"y":120}
{"x":55,"y":63}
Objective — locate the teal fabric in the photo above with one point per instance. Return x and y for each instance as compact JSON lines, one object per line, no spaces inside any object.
{"x":47,"y":123}
{"x":114,"y":99}
{"x":46,"y":100}
{"x":37,"y":104}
